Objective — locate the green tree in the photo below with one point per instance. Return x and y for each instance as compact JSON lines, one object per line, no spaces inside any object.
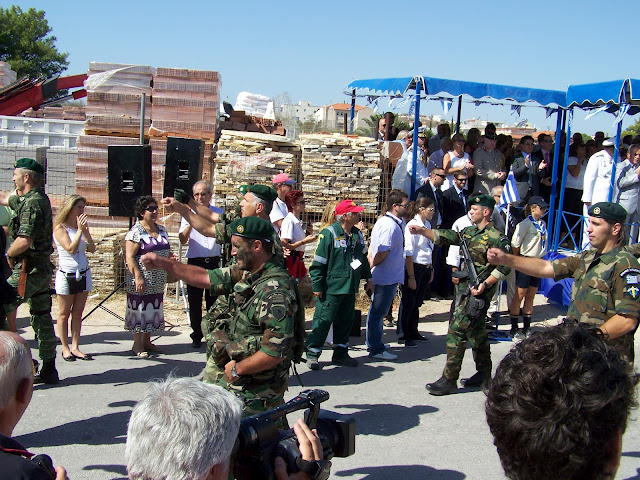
{"x":632,"y":129}
{"x":26,"y":45}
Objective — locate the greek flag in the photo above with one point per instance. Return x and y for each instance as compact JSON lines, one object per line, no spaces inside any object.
{"x":510,"y":191}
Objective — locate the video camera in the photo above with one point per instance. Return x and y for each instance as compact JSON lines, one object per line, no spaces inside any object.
{"x":259,"y":441}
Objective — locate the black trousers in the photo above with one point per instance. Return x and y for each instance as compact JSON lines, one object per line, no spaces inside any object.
{"x":195,"y":294}
{"x":408,"y":315}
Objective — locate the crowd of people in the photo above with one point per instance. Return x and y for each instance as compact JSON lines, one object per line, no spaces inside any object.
{"x":250,"y":265}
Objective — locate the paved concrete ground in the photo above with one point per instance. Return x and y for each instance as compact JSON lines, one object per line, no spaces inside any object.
{"x":403,"y":432}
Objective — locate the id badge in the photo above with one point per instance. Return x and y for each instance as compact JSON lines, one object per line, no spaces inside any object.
{"x":355,"y":263}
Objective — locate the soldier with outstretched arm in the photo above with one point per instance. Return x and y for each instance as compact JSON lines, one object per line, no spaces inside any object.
{"x":467,"y":323}
{"x":606,"y":287}
{"x":252,"y":349}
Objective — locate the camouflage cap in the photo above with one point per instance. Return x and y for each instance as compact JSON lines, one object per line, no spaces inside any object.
{"x":252,"y":227}
{"x":609,"y":211}
{"x":482,"y":200}
{"x":30,"y":164}
{"x":262,"y":191}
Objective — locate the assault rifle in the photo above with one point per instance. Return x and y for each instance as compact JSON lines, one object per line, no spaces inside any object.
{"x":469,"y":272}
{"x":475,"y":306}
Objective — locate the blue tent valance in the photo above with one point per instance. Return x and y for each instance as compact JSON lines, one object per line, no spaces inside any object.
{"x":454,"y":88}
{"x":613,"y":93}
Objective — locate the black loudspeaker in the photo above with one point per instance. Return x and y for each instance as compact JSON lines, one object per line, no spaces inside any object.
{"x":129,"y":175}
{"x":183,"y":165}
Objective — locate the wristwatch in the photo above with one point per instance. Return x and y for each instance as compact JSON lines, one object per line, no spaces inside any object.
{"x":486,"y":285}
{"x":234,"y":372}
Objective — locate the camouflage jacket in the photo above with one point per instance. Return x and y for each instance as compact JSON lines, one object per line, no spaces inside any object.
{"x":263,"y":320}
{"x":604,"y":285}
{"x":331,"y":271}
{"x":33,"y":219}
{"x":479,"y":241}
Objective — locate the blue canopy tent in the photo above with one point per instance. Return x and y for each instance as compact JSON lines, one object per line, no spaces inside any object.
{"x":615,"y":97}
{"x":445,"y":89}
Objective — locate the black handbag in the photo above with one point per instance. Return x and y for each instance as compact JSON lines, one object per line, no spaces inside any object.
{"x":76,"y":284}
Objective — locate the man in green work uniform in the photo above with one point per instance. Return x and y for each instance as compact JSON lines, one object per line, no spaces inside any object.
{"x":31,"y":230}
{"x":468,"y":318}
{"x":340,"y":261}
{"x":252,"y":351}
{"x":606,"y":278}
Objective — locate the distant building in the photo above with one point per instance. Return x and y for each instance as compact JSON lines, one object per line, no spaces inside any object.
{"x":333,"y":116}
{"x":303,"y":110}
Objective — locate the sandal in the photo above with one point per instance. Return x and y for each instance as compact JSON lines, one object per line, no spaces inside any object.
{"x":71,"y":358}
{"x":85,"y":357}
{"x":141,"y":354}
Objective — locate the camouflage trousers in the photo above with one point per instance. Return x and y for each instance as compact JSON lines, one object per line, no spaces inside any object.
{"x":39,"y":300}
{"x":463,"y":329}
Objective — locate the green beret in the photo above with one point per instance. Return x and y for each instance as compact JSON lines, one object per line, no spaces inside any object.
{"x":482,"y":200}
{"x":30,"y":164}
{"x":252,"y":227}
{"x":262,"y":191}
{"x":609,"y":211}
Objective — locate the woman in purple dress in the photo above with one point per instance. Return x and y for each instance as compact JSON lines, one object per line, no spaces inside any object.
{"x":145,"y":288}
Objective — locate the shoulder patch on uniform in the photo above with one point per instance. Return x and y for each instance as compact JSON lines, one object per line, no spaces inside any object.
{"x":278,"y":311}
{"x":630,"y":271}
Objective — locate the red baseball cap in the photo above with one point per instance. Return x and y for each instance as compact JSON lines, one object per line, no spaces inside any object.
{"x":347,"y":206}
{"x":283,"y":178}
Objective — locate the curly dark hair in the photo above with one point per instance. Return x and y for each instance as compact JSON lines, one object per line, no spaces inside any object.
{"x":141,"y":203}
{"x":557,"y":402}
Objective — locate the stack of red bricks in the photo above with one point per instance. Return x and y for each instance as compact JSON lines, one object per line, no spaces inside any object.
{"x":185,"y":103}
{"x":240,"y":122}
{"x":114,"y":97}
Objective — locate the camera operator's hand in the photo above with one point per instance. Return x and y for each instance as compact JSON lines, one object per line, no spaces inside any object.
{"x":310,"y":449}
{"x":61,"y":473}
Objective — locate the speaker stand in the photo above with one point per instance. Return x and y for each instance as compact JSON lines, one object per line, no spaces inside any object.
{"x":100,"y":305}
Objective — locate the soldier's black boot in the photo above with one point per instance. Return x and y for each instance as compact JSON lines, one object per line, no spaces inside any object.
{"x":479,"y":379}
{"x":442,"y":387}
{"x":514,"y":326}
{"x":48,"y":374}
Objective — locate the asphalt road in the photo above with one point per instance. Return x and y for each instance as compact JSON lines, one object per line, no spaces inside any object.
{"x":402,"y":431}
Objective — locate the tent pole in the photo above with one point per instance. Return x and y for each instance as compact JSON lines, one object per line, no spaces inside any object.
{"x":459,"y":113}
{"x":352,"y":112}
{"x":616,"y":153}
{"x":554,"y":170}
{"x":558,"y":224}
{"x":416,"y":123}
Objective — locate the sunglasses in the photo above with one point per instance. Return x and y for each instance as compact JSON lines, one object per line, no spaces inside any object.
{"x":463,"y":180}
{"x":439,"y":175}
{"x":152,"y":208}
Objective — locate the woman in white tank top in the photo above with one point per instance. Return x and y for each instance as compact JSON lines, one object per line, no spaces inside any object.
{"x":457,"y":160}
{"x":73,"y":278}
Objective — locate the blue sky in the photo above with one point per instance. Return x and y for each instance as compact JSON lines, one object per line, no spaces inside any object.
{"x":312,"y":50}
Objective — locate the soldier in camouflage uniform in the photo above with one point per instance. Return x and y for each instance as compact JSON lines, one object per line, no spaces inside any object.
{"x":468,"y":324}
{"x":31,"y":230}
{"x":257,"y":201}
{"x":252,"y":350}
{"x":606,"y":285}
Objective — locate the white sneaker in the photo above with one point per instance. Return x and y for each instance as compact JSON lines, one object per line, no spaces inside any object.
{"x":384,"y":356}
